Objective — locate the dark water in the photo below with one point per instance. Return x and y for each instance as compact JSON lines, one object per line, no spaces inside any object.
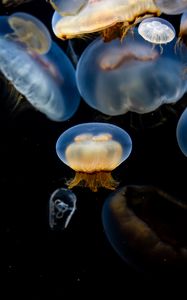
{"x":38,"y":262}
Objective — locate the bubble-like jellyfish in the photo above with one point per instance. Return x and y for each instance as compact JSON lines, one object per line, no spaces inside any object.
{"x":112,"y":18}
{"x":93,"y":150}
{"x":171,"y":7}
{"x":147,"y":228}
{"x":157,"y":31}
{"x":68,"y":7}
{"x":131,"y":75}
{"x":62,"y":205}
{"x":182,"y":132}
{"x":37,"y":67}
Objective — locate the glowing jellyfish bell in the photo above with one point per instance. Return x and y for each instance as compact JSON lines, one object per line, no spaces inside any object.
{"x":93,"y":150}
{"x":156,"y":31}
{"x":129,"y":75}
{"x":171,"y":7}
{"x":37,"y":67}
{"x":68,"y":7}
{"x":112,"y":18}
{"x":182,"y":132}
{"x":30,"y":31}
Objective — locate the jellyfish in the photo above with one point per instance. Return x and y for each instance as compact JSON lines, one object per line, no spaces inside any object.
{"x":68,"y":7}
{"x":131,"y":75}
{"x":62,"y":206}
{"x":112,"y":18}
{"x":182,"y":132}
{"x":93,"y":150}
{"x":146,"y":227}
{"x":156,"y":31}
{"x":45,"y":76}
{"x":171,"y":7}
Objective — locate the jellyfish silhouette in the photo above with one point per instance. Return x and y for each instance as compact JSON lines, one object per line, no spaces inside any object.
{"x":111,"y":17}
{"x":37,"y":67}
{"x":156,"y":31}
{"x":171,"y":7}
{"x":93,"y":150}
{"x":62,"y":205}
{"x":145,"y":226}
{"x":118,"y":77}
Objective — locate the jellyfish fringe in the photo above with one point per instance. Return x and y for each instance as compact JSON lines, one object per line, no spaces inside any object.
{"x":93,"y":181}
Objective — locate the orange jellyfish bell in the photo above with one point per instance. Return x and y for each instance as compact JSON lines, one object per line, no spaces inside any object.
{"x":93,"y":150}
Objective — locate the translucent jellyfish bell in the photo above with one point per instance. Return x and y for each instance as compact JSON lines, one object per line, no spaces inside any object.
{"x":30,"y":31}
{"x":156,"y":31}
{"x":47,"y":81}
{"x":171,"y":7}
{"x":93,"y":150}
{"x":182,"y":132}
{"x":130,"y":75}
{"x":62,"y":205}
{"x":112,"y":18}
{"x":68,"y":7}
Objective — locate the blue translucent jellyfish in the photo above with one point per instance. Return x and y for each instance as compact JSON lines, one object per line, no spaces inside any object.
{"x":131,"y":75}
{"x":147,"y":228}
{"x":93,"y":150}
{"x":62,"y":205}
{"x":40,"y":72}
{"x":171,"y":7}
{"x":68,"y":7}
{"x":156,"y":30}
{"x":182,"y":132}
{"x":110,"y":17}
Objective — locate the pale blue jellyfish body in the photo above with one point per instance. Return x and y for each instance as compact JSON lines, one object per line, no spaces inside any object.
{"x":46,"y":80}
{"x":68,"y":7}
{"x":131,"y":75}
{"x":172,"y":7}
{"x":62,"y":205}
{"x":182,"y":132}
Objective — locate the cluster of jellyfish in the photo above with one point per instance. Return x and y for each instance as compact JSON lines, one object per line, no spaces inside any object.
{"x":137,"y":65}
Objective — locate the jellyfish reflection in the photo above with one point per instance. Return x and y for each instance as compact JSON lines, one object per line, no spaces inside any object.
{"x":62,"y":205}
{"x":147,"y":228}
{"x":118,"y":77}
{"x":93,"y":150}
{"x":47,"y":80}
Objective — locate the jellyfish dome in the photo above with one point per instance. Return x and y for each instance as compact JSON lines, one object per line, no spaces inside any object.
{"x":131,"y":75}
{"x":171,"y":7}
{"x":107,"y":16}
{"x":68,"y":7}
{"x":156,"y":31}
{"x":37,"y":67}
{"x":182,"y":132}
{"x":93,"y":150}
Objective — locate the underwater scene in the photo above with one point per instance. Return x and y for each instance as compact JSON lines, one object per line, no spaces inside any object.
{"x":93,"y":155}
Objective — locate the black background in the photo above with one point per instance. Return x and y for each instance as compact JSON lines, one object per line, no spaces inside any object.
{"x":38,"y":262}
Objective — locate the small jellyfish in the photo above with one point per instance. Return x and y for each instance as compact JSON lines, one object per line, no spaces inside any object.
{"x":29,"y":31}
{"x":156,"y":31}
{"x":46,"y":80}
{"x":93,"y":150}
{"x":182,"y":132}
{"x":147,"y":228}
{"x":171,"y":7}
{"x":111,"y":18}
{"x":68,"y":7}
{"x":62,"y":205}
{"x":131,"y":75}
